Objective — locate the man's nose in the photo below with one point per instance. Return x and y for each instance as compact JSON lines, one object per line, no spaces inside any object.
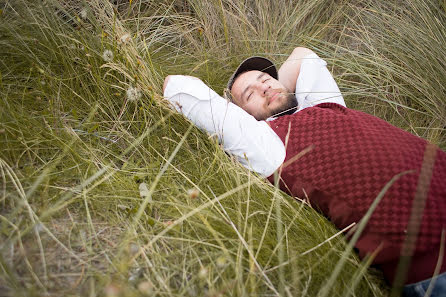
{"x":263,"y":87}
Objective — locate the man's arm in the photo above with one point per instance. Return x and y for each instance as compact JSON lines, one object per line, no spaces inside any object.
{"x":166,"y":80}
{"x":252,"y":142}
{"x":290,"y":69}
{"x":306,"y":75}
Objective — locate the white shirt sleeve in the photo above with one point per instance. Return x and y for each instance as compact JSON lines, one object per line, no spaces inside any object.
{"x":252,"y":142}
{"x":315,"y":84}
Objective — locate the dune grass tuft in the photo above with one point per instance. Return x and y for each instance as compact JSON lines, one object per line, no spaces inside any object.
{"x":106,"y":192}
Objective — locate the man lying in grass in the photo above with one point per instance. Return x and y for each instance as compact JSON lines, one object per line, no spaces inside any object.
{"x":294,"y":122}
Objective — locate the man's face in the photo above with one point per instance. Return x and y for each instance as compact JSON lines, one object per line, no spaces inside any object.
{"x":261,"y":95}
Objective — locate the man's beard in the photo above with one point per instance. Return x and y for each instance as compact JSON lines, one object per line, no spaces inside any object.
{"x":288,"y":107}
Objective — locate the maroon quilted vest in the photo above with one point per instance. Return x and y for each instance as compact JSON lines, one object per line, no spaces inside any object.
{"x":345,"y":159}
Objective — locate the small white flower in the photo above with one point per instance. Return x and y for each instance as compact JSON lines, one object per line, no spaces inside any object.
{"x":203,"y":273}
{"x":143,"y":190}
{"x":112,"y":290}
{"x":133,"y":94}
{"x":221,"y":261}
{"x":83,"y":13}
{"x":122,"y":206}
{"x":125,"y":38}
{"x":146,"y":287}
{"x":39,"y":227}
{"x":193,"y":193}
{"x":133,"y":248}
{"x":107,"y":56}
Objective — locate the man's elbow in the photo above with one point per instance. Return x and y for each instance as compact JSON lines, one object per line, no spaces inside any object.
{"x":301,"y":52}
{"x":166,"y":80}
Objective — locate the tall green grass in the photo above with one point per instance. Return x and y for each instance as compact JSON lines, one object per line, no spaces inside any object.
{"x":106,"y":194}
{"x":391,"y":61}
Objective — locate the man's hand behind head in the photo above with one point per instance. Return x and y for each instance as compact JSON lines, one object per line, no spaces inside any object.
{"x":290,"y":69}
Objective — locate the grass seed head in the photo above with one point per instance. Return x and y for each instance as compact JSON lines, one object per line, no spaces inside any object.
{"x":107,"y":55}
{"x":133,"y":94}
{"x":145,"y":287}
{"x":83,"y":13}
{"x":38,"y":227}
{"x":221,"y":261}
{"x":112,"y":290}
{"x":143,"y":190}
{"x":203,"y":273}
{"x":193,"y":193}
{"x":133,"y":248}
{"x":125,"y":38}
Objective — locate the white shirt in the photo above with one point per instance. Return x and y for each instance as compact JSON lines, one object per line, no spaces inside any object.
{"x":252,"y":142}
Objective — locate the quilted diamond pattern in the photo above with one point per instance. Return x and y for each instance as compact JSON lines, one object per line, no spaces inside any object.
{"x":354,"y":156}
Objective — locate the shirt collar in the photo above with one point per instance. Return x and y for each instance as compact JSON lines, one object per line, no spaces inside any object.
{"x":270,"y":119}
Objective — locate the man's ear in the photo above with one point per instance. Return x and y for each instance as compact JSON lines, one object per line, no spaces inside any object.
{"x":166,"y":80}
